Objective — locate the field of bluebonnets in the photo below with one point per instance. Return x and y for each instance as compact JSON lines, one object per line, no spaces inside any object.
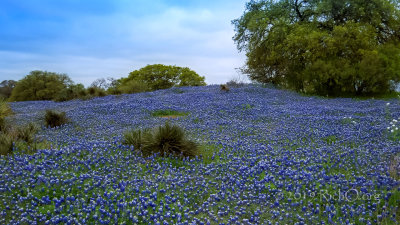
{"x":269,"y":157}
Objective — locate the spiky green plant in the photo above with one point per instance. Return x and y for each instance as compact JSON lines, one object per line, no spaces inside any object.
{"x":135,"y":137}
{"x":166,"y":140}
{"x":55,"y":119}
{"x":169,"y":140}
{"x":5,"y":110}
{"x":6,"y":144}
{"x":26,"y":133}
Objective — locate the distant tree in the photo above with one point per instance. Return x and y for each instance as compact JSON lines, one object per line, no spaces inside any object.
{"x":6,"y":87}
{"x":334,"y":47}
{"x":40,"y":85}
{"x":100,"y":83}
{"x":159,"y":76}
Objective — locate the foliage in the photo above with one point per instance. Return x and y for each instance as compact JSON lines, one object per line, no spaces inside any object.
{"x":13,"y":137}
{"x":5,"y":111}
{"x":158,"y":76}
{"x":6,"y":87}
{"x":347,"y":47}
{"x":167,"y":112}
{"x":130,"y":87}
{"x":73,"y":91}
{"x":26,"y":133}
{"x":6,"y":144}
{"x":55,"y":119}
{"x":40,"y":85}
{"x":135,"y":138}
{"x":224,"y":87}
{"x":166,"y":140}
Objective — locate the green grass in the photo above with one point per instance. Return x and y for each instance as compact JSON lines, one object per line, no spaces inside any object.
{"x":168,"y":113}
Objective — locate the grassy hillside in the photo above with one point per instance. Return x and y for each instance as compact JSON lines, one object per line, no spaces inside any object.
{"x":268,"y":156}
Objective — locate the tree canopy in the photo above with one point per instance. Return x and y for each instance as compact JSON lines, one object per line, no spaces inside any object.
{"x":159,"y":76}
{"x":40,"y":85}
{"x":331,"y":47}
{"x":6,"y":87}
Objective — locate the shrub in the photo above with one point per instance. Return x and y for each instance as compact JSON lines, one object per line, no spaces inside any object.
{"x":20,"y":137}
{"x":235,"y":83}
{"x":40,"y":85}
{"x":166,"y":140}
{"x":5,"y":111}
{"x":55,"y":119}
{"x":6,"y":144}
{"x":224,"y":87}
{"x":26,"y":133}
{"x":135,"y":137}
{"x":132,"y":86}
{"x":159,"y":76}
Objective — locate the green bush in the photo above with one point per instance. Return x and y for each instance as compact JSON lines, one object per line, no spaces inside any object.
{"x":6,"y":143}
{"x":166,"y":140}
{"x":55,"y":119}
{"x":159,"y":76}
{"x":132,"y":86}
{"x":5,"y":111}
{"x":22,"y":137}
{"x":26,"y":133}
{"x":135,"y":137}
{"x":40,"y":85}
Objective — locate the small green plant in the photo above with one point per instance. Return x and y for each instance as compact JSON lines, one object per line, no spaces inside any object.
{"x":5,"y":111}
{"x":135,"y":137}
{"x":247,"y":106}
{"x":330,"y":139}
{"x":165,"y":140}
{"x":55,"y":119}
{"x":168,"y":113}
{"x":6,"y":144}
{"x":224,"y":87}
{"x":22,"y":138}
{"x":26,"y":133}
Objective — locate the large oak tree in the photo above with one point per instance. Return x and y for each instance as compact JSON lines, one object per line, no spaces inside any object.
{"x":328,"y":47}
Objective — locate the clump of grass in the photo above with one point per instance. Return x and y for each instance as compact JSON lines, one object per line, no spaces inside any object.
{"x":55,"y":119}
{"x":6,"y":144}
{"x":5,"y":110}
{"x":168,"y":113}
{"x":167,"y":140}
{"x":224,"y":87}
{"x":22,"y":137}
{"x":135,"y":137}
{"x":27,"y":133}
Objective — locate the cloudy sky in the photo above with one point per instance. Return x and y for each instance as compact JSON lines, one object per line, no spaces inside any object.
{"x":89,"y":39}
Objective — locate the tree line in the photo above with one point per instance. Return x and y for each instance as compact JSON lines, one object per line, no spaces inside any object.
{"x":44,"y":85}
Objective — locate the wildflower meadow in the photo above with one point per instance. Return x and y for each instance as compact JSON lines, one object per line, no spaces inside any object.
{"x":266,"y":156}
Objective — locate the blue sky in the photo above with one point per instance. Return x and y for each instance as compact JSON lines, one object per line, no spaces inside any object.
{"x":90,"y":39}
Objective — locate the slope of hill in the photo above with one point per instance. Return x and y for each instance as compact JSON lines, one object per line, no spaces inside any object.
{"x":269,"y":156}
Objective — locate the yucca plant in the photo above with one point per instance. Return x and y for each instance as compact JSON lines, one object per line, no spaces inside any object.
{"x":26,"y":133}
{"x":166,"y":140}
{"x":135,"y":137}
{"x":169,"y":140}
{"x":55,"y":119}
{"x":6,"y":144}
